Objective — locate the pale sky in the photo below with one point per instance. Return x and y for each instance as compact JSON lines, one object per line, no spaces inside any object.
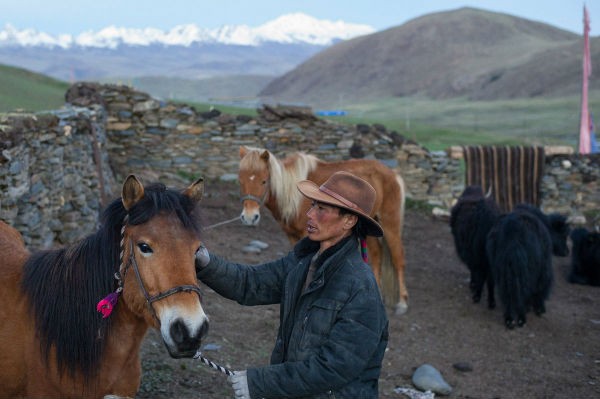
{"x":76,"y":16}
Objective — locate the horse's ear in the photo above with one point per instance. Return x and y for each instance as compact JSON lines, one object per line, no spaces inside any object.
{"x":132,"y":192}
{"x":196,"y":190}
{"x":265,"y":155}
{"x":243,"y":151}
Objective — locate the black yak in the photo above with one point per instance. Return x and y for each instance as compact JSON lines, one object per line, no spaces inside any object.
{"x":556,"y":224}
{"x":519,"y":249}
{"x":585,"y":257}
{"x":471,"y":218}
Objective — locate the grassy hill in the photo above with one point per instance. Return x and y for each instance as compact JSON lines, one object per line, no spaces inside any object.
{"x":21,"y":89}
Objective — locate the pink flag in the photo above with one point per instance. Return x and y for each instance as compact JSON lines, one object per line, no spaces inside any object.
{"x":585,"y":122}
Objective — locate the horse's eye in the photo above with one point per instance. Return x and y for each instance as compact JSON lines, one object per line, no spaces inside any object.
{"x":264,"y":182}
{"x":145,"y":248}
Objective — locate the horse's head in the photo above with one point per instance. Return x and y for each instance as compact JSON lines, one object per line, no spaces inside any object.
{"x":159,"y":242}
{"x":254,"y":183}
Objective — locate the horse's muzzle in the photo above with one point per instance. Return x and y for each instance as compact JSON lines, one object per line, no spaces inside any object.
{"x":250,"y":218}
{"x":184,"y":343}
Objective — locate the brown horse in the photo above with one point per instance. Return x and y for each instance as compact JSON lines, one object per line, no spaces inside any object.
{"x":53,"y":341}
{"x":264,"y":179}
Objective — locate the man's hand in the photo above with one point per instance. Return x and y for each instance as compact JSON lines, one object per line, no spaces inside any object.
{"x":239,"y":383}
{"x":202,"y":257}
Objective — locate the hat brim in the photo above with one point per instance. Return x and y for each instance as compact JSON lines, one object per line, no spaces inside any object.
{"x":310,"y":190}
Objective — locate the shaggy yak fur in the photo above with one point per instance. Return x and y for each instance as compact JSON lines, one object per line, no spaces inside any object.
{"x":585,"y":257}
{"x":557,"y":227}
{"x":471,"y":219}
{"x":519,"y":248}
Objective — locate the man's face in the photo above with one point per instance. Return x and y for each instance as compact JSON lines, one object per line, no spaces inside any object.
{"x":326,"y":224}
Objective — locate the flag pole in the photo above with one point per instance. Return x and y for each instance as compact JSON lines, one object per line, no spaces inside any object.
{"x":584,"y":122}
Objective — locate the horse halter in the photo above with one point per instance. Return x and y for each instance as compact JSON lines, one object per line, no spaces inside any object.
{"x":259,"y":200}
{"x":161,"y":295}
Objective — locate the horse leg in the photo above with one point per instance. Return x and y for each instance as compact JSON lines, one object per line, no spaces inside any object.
{"x":397,"y":255}
{"x":394,"y":243}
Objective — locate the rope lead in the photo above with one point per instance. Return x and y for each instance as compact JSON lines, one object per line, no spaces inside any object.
{"x":215,"y":366}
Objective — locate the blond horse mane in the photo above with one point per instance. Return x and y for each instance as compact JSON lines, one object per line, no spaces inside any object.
{"x":283,"y":179}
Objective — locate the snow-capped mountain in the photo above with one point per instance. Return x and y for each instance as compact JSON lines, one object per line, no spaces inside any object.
{"x":230,"y":61}
{"x":294,"y":28}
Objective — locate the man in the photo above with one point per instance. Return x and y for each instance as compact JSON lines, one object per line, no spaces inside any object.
{"x":333,"y":326}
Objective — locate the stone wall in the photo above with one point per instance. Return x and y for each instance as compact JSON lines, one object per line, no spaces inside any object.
{"x":171,"y":141}
{"x":58,"y":168}
{"x":51,"y":187}
{"x":571,"y":185}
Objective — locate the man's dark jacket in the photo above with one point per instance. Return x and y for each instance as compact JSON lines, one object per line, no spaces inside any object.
{"x":332,"y":337}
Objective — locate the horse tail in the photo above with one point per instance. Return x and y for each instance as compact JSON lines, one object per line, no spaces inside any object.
{"x":402,"y":200}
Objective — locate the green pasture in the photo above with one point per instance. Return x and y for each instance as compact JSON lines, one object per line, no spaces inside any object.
{"x":28,"y":91}
{"x":438,"y":124}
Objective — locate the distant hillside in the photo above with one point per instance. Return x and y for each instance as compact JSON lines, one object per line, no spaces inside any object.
{"x":30,"y":91}
{"x":197,"y":61}
{"x":222,"y":89}
{"x":463,"y":53}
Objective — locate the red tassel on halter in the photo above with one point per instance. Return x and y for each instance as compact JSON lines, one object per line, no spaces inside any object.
{"x":106,"y":305}
{"x":363,"y":250}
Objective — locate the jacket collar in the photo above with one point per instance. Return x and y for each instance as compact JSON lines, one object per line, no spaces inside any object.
{"x":307,"y":247}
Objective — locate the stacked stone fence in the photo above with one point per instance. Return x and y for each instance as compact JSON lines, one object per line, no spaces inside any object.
{"x":51,"y":186}
{"x":57,"y":168}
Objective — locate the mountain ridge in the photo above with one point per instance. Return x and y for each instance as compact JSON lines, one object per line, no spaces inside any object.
{"x":288,"y":28}
{"x":465,"y":52}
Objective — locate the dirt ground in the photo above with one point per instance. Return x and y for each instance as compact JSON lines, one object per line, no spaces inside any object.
{"x":553,"y":356}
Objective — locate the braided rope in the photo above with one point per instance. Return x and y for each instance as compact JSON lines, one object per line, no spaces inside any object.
{"x":122,"y":243}
{"x":214,"y":365}
{"x":118,"y":276}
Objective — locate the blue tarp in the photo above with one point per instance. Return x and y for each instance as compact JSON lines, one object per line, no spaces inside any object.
{"x":331,"y":113}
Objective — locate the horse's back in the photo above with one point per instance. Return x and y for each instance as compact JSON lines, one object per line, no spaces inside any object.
{"x":13,"y":312}
{"x":387,"y":184}
{"x":371,"y":170}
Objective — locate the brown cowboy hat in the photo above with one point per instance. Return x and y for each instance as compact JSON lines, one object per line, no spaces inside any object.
{"x":347,"y":191}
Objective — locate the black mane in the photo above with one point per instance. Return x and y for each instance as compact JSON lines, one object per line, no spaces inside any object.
{"x":63,"y":286}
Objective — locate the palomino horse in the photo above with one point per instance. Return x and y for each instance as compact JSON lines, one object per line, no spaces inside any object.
{"x":264,"y":179}
{"x":53,"y":341}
